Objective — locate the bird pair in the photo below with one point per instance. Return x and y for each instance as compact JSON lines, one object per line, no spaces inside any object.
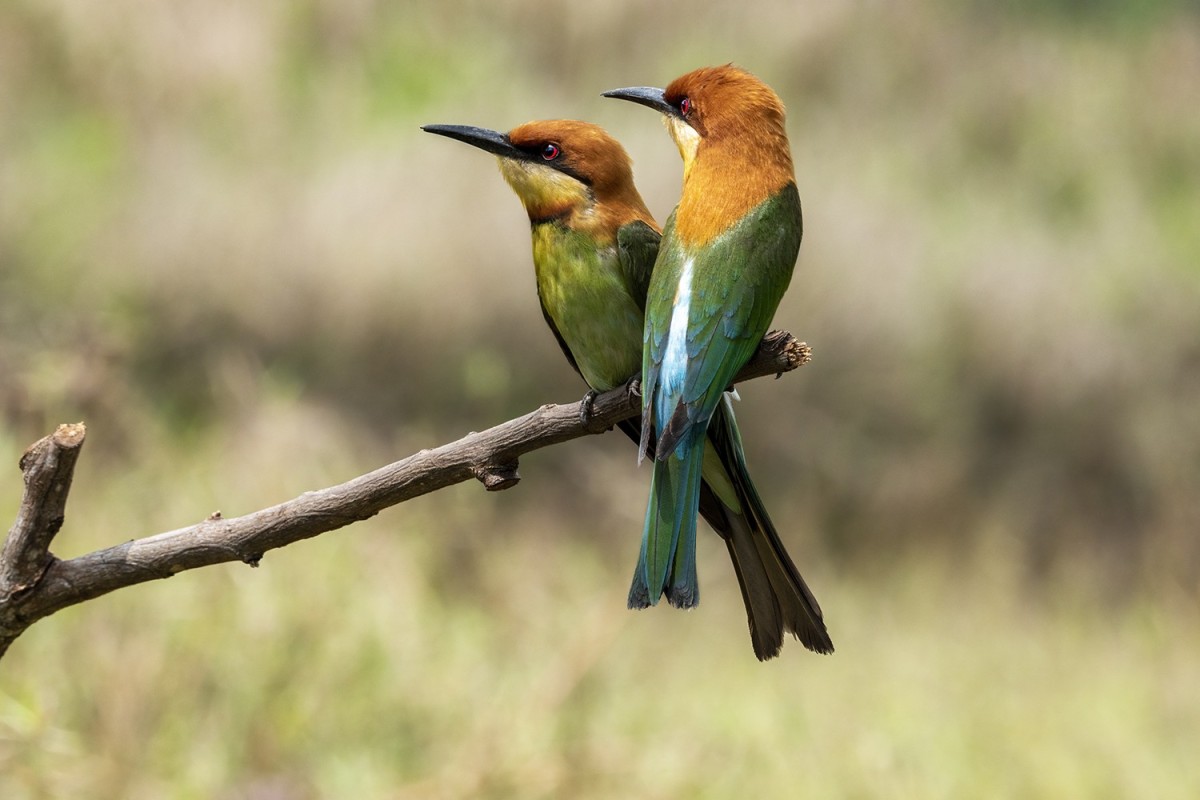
{"x":683,"y":307}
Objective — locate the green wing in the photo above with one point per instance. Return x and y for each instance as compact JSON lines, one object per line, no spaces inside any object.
{"x":637,"y":248}
{"x":738,"y":281}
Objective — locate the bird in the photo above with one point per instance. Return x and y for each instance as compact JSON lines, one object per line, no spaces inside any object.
{"x":724,"y":262}
{"x":594,"y":240}
{"x":594,"y":247}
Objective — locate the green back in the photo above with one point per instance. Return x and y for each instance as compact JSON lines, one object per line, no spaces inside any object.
{"x":738,"y":280}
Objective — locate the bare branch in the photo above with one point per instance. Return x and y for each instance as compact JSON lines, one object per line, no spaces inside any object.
{"x":48,"y":465}
{"x":34,"y":584}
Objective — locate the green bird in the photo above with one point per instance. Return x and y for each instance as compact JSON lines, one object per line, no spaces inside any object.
{"x":594,"y":247}
{"x":725,"y":260}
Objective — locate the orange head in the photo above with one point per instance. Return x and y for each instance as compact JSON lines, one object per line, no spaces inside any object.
{"x":563,"y":170}
{"x":729,"y":128}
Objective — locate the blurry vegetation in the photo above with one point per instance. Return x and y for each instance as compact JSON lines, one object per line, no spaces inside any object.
{"x":225,"y":244}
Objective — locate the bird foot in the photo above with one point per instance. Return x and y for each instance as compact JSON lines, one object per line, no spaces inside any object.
{"x":633,"y":387}
{"x":587,"y":411}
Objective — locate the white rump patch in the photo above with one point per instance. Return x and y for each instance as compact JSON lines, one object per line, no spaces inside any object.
{"x":675,"y":358}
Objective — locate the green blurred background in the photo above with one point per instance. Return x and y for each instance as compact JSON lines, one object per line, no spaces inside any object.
{"x":226,"y":246}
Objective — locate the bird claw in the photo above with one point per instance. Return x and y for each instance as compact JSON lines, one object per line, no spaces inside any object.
{"x":633,"y":387}
{"x":585,"y":408}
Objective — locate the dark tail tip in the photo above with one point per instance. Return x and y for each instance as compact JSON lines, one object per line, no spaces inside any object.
{"x":639,"y":595}
{"x":817,"y":641}
{"x":683,"y":596}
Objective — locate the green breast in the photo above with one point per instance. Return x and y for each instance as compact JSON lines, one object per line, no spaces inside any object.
{"x":589,"y":302}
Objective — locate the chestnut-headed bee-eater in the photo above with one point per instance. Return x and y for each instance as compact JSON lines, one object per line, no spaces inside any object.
{"x":724,"y":262}
{"x":594,"y":245}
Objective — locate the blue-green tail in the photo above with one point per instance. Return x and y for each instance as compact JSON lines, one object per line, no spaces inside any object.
{"x":667,"y":563}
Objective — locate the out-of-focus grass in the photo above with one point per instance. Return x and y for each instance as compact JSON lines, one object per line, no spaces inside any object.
{"x":445,"y":650}
{"x":226,"y":246}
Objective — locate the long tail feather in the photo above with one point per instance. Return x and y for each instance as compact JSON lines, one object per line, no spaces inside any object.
{"x":667,"y":561}
{"x":777,"y":598}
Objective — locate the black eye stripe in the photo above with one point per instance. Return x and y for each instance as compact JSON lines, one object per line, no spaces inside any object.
{"x":553,"y":156}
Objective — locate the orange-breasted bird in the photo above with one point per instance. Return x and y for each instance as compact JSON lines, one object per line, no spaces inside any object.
{"x":724,"y":262}
{"x":594,"y":245}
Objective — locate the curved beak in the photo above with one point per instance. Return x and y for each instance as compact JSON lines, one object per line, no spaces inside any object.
{"x":492,"y":141}
{"x":645,"y":95}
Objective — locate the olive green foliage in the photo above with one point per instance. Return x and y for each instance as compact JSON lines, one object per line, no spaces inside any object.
{"x":225,"y":244}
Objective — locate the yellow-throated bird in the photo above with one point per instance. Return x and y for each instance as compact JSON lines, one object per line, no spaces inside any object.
{"x":725,"y":260}
{"x":594,"y":244}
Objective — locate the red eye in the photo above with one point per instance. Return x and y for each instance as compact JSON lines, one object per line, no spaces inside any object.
{"x":550,"y":152}
{"x":685,"y":106}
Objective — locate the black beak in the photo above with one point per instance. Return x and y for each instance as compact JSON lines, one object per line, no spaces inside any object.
{"x":645,"y":95}
{"x":492,"y":141}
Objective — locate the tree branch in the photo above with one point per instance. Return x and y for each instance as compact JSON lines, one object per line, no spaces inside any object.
{"x":34,"y":584}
